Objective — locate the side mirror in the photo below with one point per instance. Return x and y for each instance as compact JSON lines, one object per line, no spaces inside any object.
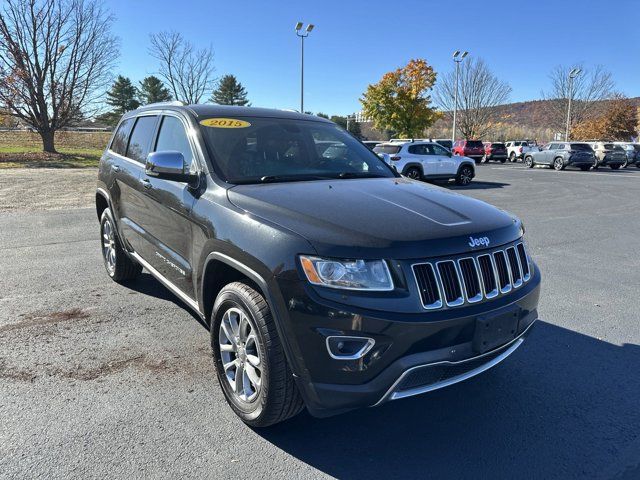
{"x":168,"y":165}
{"x":449,"y":154}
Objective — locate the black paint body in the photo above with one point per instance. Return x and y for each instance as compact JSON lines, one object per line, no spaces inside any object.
{"x":194,"y":234}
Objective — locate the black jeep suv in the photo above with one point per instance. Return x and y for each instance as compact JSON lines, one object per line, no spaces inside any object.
{"x":327,"y":280}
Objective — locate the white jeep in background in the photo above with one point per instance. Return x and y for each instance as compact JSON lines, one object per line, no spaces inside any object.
{"x":517,"y":149}
{"x":426,"y":160}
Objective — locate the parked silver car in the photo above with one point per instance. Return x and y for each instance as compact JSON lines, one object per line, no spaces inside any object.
{"x":560,"y":155}
{"x":608,"y":154}
{"x":632,"y":150}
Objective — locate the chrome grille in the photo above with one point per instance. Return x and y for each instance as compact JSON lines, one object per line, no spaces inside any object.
{"x":472,"y":279}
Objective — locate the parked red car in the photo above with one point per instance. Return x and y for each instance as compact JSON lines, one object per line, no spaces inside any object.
{"x":494,"y":151}
{"x":469,"y":148}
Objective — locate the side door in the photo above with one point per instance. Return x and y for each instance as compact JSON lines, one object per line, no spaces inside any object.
{"x":550,"y":154}
{"x":123,"y":183}
{"x":134,"y":208}
{"x":421,"y":154}
{"x":447,"y":165}
{"x":167,"y":224}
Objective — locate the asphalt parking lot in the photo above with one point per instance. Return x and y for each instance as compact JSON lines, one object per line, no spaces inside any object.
{"x":99,"y":380}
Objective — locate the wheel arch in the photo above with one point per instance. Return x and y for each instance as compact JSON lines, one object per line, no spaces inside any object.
{"x":413,"y":164}
{"x":220,"y":263}
{"x":102,"y":202}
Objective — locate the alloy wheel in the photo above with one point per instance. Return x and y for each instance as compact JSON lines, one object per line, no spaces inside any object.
{"x":557,"y":164}
{"x":240,"y":354}
{"x":109,"y":245}
{"x":465,"y":176}
{"x":413,"y":173}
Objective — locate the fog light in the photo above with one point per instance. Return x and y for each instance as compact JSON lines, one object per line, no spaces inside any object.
{"x":349,"y":348}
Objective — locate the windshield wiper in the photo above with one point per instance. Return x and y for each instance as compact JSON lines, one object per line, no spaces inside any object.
{"x":358,"y":175}
{"x":290,"y":178}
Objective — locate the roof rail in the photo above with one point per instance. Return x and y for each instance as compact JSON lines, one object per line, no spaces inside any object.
{"x":171,"y":103}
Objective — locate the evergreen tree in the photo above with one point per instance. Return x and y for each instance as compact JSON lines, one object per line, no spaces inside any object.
{"x":122,"y":97}
{"x":230,"y":92}
{"x":152,"y":90}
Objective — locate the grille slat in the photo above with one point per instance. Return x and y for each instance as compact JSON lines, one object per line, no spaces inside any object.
{"x":503,"y":271}
{"x":472,"y":279}
{"x":524,"y":262}
{"x":516,"y":275}
{"x":428,"y":285}
{"x":450,"y":282}
{"x":488,"y":276}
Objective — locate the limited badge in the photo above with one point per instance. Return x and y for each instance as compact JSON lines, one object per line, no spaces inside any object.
{"x":224,"y":123}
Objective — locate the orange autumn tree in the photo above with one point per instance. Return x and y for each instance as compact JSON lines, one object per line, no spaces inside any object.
{"x":400,"y":101}
{"x":618,"y":121}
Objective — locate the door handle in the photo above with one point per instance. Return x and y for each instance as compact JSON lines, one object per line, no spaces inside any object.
{"x":146,"y":183}
{"x":115,"y":168}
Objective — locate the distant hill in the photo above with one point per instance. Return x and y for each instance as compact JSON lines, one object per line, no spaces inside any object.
{"x":529,"y":119}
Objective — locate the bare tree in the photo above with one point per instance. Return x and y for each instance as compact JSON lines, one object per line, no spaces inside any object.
{"x":56,"y":58}
{"x":588,"y":89}
{"x":479,"y":90}
{"x":187,"y":71}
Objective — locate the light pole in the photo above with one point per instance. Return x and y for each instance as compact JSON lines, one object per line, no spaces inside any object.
{"x":302,"y":34}
{"x":572,"y":74}
{"x":458,"y":58}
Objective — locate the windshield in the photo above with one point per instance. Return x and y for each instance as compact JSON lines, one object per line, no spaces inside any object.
{"x":581,"y":147}
{"x":611,"y":146}
{"x":259,"y":150}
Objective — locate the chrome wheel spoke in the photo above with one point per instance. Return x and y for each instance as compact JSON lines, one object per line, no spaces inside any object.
{"x":239,"y":379}
{"x":228,"y":347}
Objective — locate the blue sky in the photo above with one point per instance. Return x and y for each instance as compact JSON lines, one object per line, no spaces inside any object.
{"x":355,"y":42}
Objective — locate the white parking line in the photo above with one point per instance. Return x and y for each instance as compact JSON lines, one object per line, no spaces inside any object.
{"x":627,"y":174}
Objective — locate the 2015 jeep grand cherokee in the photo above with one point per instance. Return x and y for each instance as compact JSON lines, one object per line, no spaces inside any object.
{"x":327,"y":280}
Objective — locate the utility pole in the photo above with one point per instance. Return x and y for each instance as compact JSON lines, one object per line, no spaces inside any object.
{"x":302,"y":34}
{"x":572,"y":74}
{"x":457,"y":58}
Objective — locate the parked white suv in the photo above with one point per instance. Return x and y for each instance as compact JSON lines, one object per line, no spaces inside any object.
{"x":420,"y":159}
{"x":519,"y":148}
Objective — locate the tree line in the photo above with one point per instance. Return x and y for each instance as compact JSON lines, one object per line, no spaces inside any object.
{"x":57,"y":59}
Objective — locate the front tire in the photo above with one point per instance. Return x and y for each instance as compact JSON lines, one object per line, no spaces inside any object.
{"x":250,"y":362}
{"x":512,"y":157}
{"x":464,"y":176}
{"x":118,"y":264}
{"x":528,"y":162}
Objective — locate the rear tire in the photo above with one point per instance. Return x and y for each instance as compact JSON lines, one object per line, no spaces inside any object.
{"x":117,"y":262}
{"x":503,"y":160}
{"x":464,"y":176}
{"x":413,"y":173}
{"x":265,"y":392}
{"x":558,"y":164}
{"x":615,"y":166}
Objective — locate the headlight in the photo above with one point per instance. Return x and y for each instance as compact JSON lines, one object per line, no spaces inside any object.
{"x":371,"y":275}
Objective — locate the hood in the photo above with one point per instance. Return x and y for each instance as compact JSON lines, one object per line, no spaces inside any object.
{"x":378,"y":218}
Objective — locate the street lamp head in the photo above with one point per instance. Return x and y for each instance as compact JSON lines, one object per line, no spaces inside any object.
{"x":298,"y":26}
{"x":456,"y":53}
{"x":310,"y":27}
{"x":575,"y":72}
{"x":464,"y":54}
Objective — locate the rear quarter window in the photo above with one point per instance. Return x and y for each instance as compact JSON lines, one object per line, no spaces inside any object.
{"x":121,"y":138}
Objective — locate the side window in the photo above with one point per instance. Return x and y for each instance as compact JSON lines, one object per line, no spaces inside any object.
{"x":140,"y":140}
{"x":173,"y":137}
{"x":438,"y":150}
{"x":554,"y":146}
{"x":119,"y":143}
{"x":417,"y":150}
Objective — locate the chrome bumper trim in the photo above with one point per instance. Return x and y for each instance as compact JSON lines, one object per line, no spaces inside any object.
{"x":391,"y":394}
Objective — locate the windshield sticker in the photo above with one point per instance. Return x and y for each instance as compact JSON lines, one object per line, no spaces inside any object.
{"x":224,"y":123}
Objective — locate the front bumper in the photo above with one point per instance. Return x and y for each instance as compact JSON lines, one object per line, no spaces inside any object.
{"x":413,"y":353}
